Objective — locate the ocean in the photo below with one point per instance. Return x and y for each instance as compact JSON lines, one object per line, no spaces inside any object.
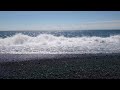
{"x":60,"y":42}
{"x":77,"y":54}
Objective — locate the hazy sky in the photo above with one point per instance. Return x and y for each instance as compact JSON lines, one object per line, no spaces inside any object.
{"x":59,"y":20}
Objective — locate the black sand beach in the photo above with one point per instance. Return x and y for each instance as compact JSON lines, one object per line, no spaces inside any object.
{"x":70,"y":66}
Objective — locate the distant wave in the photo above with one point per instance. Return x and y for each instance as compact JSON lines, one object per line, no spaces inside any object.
{"x":47,"y":43}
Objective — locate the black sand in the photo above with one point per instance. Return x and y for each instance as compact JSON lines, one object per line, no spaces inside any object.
{"x":86,"y":66}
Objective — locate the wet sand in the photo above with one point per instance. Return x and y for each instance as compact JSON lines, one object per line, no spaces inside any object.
{"x":72,"y":66}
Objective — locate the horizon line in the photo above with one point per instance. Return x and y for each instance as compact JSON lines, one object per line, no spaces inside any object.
{"x":57,"y":30}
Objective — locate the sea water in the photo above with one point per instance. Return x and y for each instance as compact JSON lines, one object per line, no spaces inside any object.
{"x":60,"y":42}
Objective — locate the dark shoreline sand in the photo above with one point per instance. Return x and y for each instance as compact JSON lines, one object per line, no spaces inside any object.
{"x":61,"y":66}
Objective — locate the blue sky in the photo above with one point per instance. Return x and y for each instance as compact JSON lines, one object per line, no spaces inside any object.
{"x":59,"y":20}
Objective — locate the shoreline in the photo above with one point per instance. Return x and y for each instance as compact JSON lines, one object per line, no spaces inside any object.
{"x":27,"y":57}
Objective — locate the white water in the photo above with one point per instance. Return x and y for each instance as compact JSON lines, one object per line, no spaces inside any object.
{"x":49,"y":44}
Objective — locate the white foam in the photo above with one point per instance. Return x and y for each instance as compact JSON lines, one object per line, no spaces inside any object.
{"x":49,"y":44}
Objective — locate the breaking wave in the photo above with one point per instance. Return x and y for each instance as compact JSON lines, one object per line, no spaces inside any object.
{"x":50,"y":44}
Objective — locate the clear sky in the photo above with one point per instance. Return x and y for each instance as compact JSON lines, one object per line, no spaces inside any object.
{"x":59,"y":20}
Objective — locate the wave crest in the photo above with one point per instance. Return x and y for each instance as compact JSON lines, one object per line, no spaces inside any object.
{"x":47,"y":43}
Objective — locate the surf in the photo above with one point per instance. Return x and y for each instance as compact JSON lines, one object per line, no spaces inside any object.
{"x":51,"y":44}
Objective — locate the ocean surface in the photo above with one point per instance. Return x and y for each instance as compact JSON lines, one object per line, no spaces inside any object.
{"x":60,"y":42}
